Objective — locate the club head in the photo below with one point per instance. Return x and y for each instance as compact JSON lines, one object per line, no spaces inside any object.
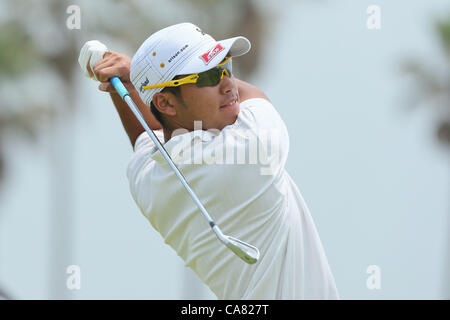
{"x":245,"y":251}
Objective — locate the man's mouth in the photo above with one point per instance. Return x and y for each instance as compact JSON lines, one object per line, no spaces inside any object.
{"x":232,"y":102}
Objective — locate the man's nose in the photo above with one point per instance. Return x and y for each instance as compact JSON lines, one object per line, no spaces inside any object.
{"x":226,"y":84}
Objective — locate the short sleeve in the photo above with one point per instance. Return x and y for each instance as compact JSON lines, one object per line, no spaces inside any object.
{"x":259,"y":119}
{"x":263,"y":114}
{"x":141,"y":163}
{"x":144,"y":140}
{"x":246,"y":160}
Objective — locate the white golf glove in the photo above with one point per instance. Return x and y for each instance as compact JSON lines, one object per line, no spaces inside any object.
{"x":94,"y":50}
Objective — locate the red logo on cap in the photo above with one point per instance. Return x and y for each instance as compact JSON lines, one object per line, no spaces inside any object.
{"x":207,"y":57}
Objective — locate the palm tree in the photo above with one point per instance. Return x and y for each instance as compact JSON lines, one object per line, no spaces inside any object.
{"x":433,"y":84}
{"x":433,"y":90}
{"x":20,"y":51}
{"x":17,"y":57}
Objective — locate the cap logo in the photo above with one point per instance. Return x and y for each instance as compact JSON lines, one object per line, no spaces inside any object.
{"x":208,"y":56}
{"x":144,"y":84}
{"x":200,"y":30}
{"x":177,"y":53}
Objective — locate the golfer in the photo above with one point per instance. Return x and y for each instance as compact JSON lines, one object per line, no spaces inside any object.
{"x":231,"y":145}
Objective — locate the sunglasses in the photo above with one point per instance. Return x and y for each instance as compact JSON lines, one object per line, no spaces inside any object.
{"x":203,"y":79}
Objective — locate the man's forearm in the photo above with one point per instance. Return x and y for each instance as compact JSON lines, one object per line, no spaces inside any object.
{"x":118,"y":64}
{"x":129,"y":121}
{"x":249,"y":91}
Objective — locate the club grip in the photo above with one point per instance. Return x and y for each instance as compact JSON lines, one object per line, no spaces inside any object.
{"x":118,"y":85}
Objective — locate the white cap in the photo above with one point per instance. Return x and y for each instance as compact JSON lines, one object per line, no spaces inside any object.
{"x":176,"y":50}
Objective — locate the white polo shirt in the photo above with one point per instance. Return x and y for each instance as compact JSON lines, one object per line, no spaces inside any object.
{"x":239,"y":175}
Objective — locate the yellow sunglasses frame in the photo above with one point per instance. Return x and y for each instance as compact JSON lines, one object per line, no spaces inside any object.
{"x":189,"y":79}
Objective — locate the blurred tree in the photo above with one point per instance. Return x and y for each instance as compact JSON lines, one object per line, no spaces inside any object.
{"x":35,"y":39}
{"x":17,"y":57}
{"x":19,"y":52}
{"x":433,"y":84}
{"x":433,"y":88}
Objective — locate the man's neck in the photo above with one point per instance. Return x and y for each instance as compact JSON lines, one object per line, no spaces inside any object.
{"x":170,"y":133}
{"x":167,"y":135}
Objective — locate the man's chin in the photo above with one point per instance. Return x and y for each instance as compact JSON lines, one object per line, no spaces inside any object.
{"x":234,"y":117}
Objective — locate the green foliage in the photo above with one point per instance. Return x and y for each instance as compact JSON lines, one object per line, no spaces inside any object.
{"x":432,"y":83}
{"x":443,"y":29}
{"x":17,"y":55}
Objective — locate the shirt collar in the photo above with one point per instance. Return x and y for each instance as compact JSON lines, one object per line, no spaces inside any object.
{"x":176,"y":147}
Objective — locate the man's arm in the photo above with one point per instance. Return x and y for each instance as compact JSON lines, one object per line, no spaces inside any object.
{"x":116,"y":64}
{"x":130,"y":123}
{"x":249,"y":91}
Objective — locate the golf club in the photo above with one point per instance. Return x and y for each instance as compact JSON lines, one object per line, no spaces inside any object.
{"x":245,"y":251}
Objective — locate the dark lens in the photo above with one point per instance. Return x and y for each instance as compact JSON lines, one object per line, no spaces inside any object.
{"x":212,"y":77}
{"x":209,"y":78}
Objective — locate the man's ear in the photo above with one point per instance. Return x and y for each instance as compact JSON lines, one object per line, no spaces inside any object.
{"x":163,"y":102}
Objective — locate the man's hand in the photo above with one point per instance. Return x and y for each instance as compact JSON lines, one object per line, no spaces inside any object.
{"x":112,"y":64}
{"x":98,"y":63}
{"x":118,"y":64}
{"x":91,"y":53}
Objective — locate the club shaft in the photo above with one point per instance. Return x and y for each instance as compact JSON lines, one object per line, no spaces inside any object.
{"x":238,"y":247}
{"x":163,"y":151}
{"x":123,"y":92}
